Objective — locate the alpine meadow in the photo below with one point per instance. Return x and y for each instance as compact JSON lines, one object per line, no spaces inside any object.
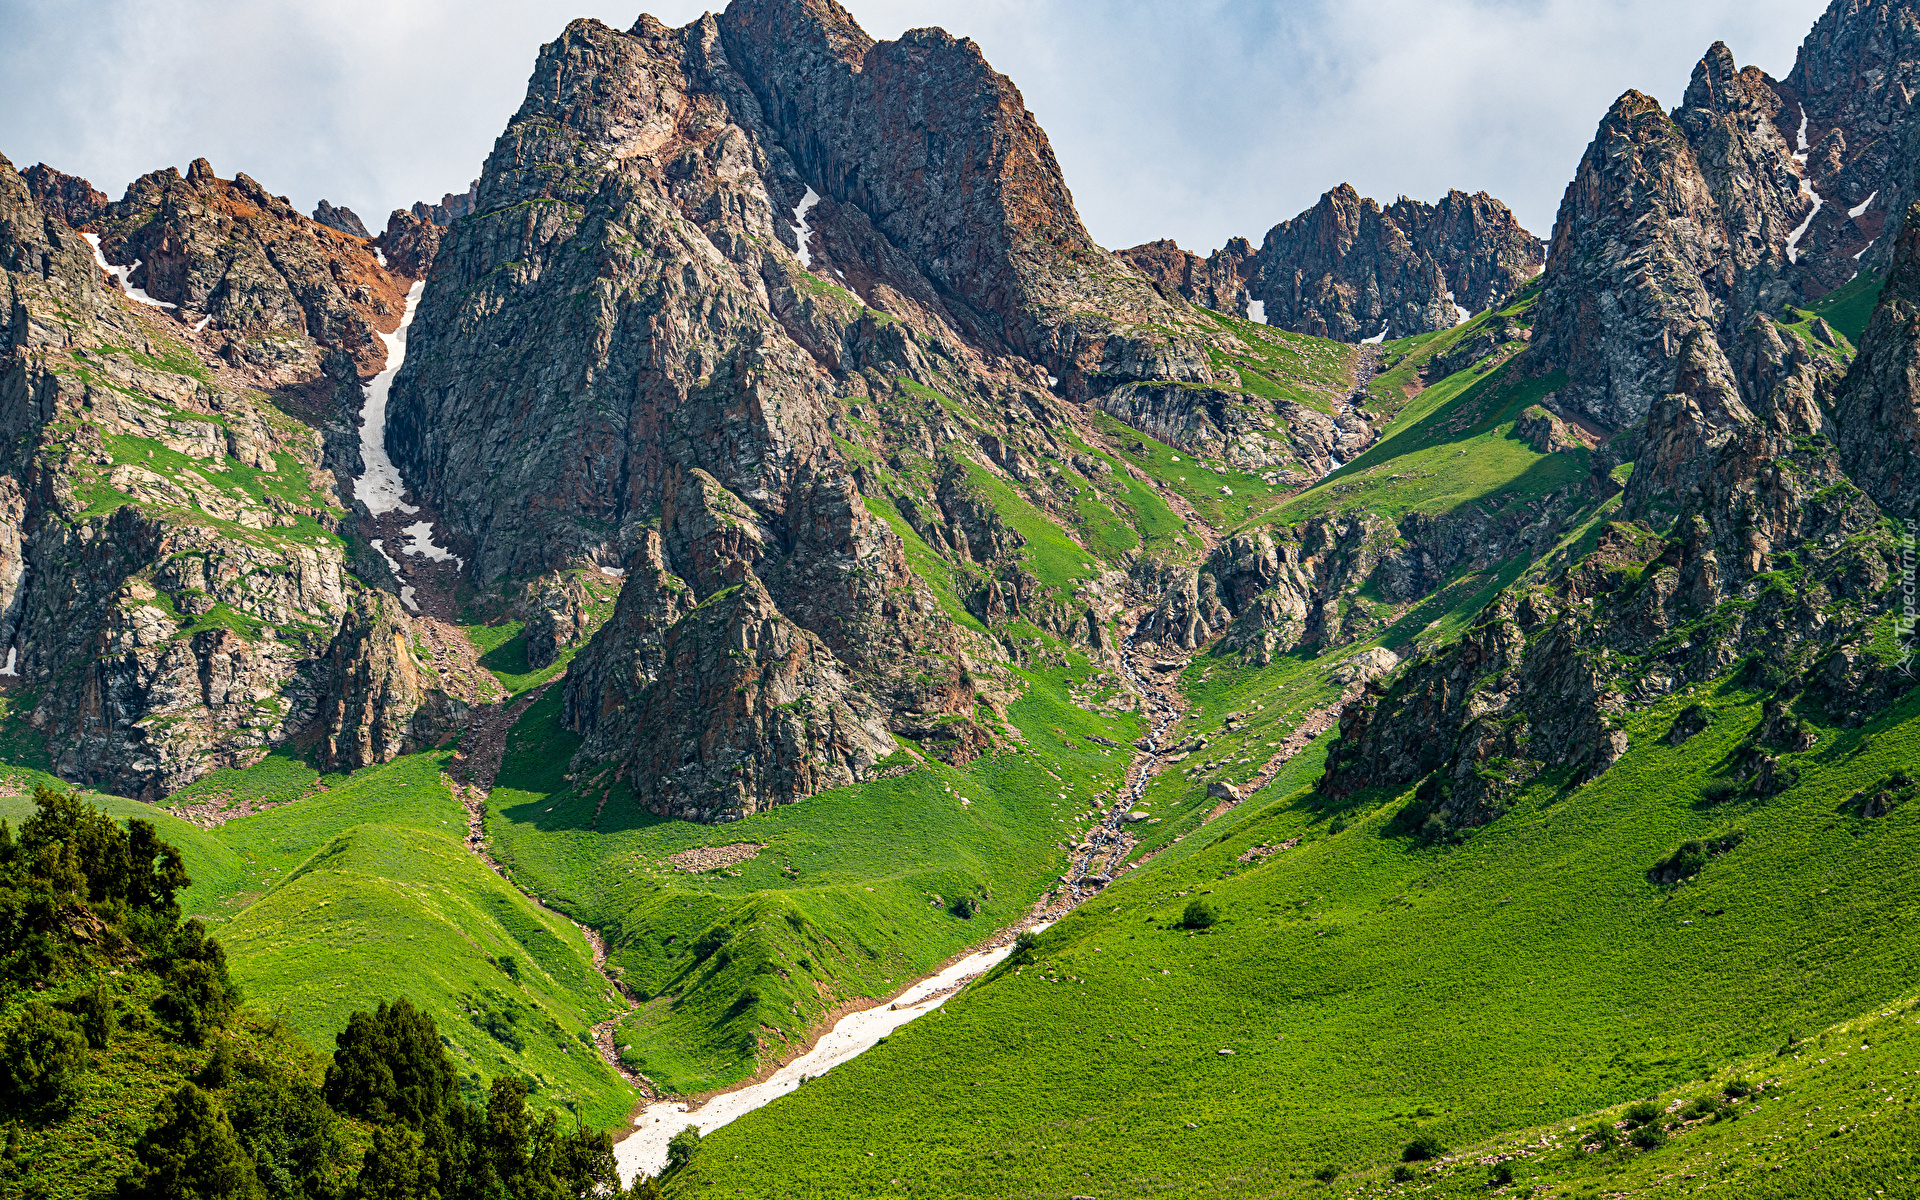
{"x":745,"y":655}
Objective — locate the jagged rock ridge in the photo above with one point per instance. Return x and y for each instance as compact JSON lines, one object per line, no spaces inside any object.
{"x":1348,"y":269}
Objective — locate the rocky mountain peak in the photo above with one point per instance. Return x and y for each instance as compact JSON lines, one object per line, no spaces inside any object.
{"x":343,"y":219}
{"x":68,"y":197}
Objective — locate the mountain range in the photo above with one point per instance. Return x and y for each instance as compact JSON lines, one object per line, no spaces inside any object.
{"x":1416,"y":706}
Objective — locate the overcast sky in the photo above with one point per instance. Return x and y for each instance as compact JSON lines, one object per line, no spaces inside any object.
{"x":1191,"y":119}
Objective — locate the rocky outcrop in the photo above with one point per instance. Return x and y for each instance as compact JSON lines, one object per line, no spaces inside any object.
{"x":343,"y":219}
{"x":1876,"y":413}
{"x":264,"y":283}
{"x":67,"y":197}
{"x":922,"y":143}
{"x":558,"y":614}
{"x":451,"y":208}
{"x":171,"y":575}
{"x":1247,"y":432}
{"x":718,"y":710}
{"x":378,"y":701}
{"x":1738,"y":464}
{"x":1349,"y":269}
{"x":409,"y":243}
{"x":1673,"y":224}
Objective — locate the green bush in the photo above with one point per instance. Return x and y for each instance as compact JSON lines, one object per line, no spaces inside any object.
{"x":46,"y":1056}
{"x":389,"y":1065}
{"x":681,"y":1148}
{"x":1422,"y":1149}
{"x":1705,"y":1106}
{"x":190,"y":1152}
{"x":396,"y":1167}
{"x":1648,"y":1137}
{"x":1720,"y":791}
{"x":1643,"y":1112}
{"x":1737,"y":1089}
{"x":1200,"y":914}
{"x":1327,"y":1174}
{"x":1500,"y":1175}
{"x":1403,"y":1174}
{"x":96,"y":1013}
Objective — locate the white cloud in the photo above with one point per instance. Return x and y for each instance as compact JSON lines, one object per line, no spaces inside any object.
{"x":1196,"y":119}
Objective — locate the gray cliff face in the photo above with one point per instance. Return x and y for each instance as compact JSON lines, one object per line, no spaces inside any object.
{"x":1349,"y":269}
{"x":1853,"y":82}
{"x":344,"y":220}
{"x":1673,"y":225}
{"x":619,"y":349}
{"x":171,"y":577}
{"x":1877,"y":410}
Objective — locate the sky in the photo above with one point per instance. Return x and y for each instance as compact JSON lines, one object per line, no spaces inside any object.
{"x":1198,"y":120}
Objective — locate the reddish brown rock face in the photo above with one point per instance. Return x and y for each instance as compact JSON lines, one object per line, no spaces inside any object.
{"x":68,"y":197}
{"x":1218,"y":281}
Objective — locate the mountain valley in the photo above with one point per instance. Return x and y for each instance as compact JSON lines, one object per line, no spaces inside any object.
{"x":1406,"y":707}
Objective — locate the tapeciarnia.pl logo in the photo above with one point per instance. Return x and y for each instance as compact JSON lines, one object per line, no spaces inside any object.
{"x":1903,"y":621}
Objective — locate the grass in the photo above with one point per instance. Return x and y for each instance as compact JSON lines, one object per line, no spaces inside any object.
{"x":1848,"y":307}
{"x":1281,"y":365}
{"x":363,"y":890}
{"x":1196,"y":480}
{"x":852,"y":896}
{"x":81,"y":1154}
{"x":1372,"y":987}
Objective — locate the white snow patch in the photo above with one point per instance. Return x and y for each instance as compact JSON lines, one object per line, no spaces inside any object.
{"x":1793,"y":239}
{"x":380,"y":256}
{"x":1053,"y":381}
{"x":121,"y":274}
{"x":406,"y":592}
{"x":1806,"y":189}
{"x":1377,"y":338}
{"x":802,"y":230}
{"x":1257,"y":311}
{"x":1863,"y":250}
{"x":202,"y":323}
{"x":13,"y":658}
{"x":420,"y":542}
{"x":1861,"y":207}
{"x":645,"y":1149}
{"x":379,"y":486}
{"x":1460,"y":315}
{"x":616,"y":572}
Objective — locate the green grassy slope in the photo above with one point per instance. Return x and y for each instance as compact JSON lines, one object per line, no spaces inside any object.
{"x":367,"y":891}
{"x":854,"y":894}
{"x":1371,"y":988}
{"x":364,"y":890}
